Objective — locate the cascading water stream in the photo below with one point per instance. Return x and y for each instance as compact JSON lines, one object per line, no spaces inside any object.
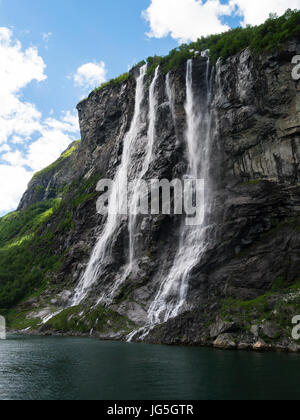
{"x":172,"y":295}
{"x":135,"y":193}
{"x":117,"y":200}
{"x":170,"y":97}
{"x":171,"y":298}
{"x":148,"y":157}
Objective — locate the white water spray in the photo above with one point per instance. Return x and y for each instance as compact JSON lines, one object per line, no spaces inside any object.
{"x":171,"y":297}
{"x":148,"y":157}
{"x":118,"y":199}
{"x":170,"y":96}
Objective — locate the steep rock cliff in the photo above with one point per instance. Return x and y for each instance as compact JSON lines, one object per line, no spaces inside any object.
{"x":252,"y":235}
{"x":51,"y":181}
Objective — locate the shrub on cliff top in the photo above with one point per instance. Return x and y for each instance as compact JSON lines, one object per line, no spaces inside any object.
{"x":266,"y":37}
{"x":116,"y":81}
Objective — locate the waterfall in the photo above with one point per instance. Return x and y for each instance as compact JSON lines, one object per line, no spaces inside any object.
{"x":148,"y":157}
{"x":171,"y":297}
{"x":169,"y":94}
{"x":193,"y":122}
{"x":118,"y":198}
{"x":136,"y":192}
{"x":169,"y":90}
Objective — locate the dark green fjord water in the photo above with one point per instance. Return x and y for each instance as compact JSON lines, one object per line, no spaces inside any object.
{"x":71,"y":368}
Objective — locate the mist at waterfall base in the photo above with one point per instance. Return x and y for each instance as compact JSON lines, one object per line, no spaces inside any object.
{"x":54,"y":368}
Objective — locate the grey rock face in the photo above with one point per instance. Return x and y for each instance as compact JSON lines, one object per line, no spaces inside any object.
{"x":260,"y":346}
{"x":225,"y":341}
{"x":221,"y":327}
{"x":270,"y":330}
{"x":255,"y":330}
{"x":50,"y":182}
{"x":253,"y":233}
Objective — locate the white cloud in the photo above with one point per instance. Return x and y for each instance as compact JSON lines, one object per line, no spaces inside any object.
{"x":256,"y":12}
{"x":17,"y":69}
{"x":44,"y":151}
{"x":14,"y":158}
{"x":14,"y":180}
{"x":90,"y":75}
{"x":68,"y":123}
{"x":5,"y":34}
{"x":4,"y":148}
{"x":28,"y":142}
{"x":187,"y":20}
{"x":17,"y":140}
{"x":55,"y":138}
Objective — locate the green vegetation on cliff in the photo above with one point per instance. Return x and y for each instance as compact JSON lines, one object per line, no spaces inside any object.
{"x":55,"y":165}
{"x":112,"y":82}
{"x":271,"y":35}
{"x":26,"y":255}
{"x":267,"y":37}
{"x":75,"y":196}
{"x":29,"y":239}
{"x":277,"y":307}
{"x":78,"y":319}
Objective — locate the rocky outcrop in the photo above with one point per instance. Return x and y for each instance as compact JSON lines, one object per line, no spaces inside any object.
{"x":51,"y":181}
{"x":260,"y":346}
{"x":253,"y":235}
{"x":221,"y":327}
{"x":225,"y":341}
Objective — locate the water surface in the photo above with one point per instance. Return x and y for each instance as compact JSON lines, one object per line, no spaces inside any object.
{"x":78,"y":368}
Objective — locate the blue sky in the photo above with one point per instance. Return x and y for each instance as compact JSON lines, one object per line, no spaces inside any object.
{"x":54,"y":52}
{"x":82,"y":32}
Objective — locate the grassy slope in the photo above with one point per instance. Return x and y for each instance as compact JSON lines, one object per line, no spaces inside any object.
{"x":28,"y":242}
{"x":25,"y":256}
{"x":28,"y":251}
{"x":81,"y":320}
